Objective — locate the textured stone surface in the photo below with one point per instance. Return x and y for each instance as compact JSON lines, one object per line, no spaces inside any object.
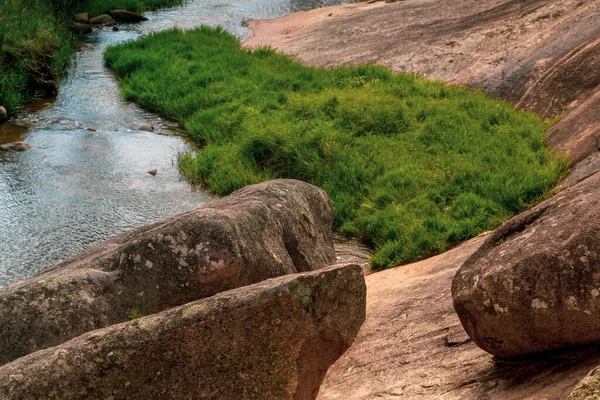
{"x":507,"y":47}
{"x":535,"y":284}
{"x":259,"y":232}
{"x":412,"y":346}
{"x":272,"y":340}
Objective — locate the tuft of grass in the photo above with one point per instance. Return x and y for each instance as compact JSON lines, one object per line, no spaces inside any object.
{"x":140,"y":310}
{"x":98,"y":7}
{"x":412,"y":166}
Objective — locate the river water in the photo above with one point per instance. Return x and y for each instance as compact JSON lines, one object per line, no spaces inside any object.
{"x":85,"y":179}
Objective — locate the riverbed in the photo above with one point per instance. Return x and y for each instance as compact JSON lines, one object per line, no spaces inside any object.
{"x":86,"y":178}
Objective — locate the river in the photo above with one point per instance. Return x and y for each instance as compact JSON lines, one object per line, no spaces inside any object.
{"x":85,"y":179}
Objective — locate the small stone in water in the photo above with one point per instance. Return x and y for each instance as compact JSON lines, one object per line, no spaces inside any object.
{"x":152,"y":172}
{"x":15,"y":146}
{"x":147,"y":128}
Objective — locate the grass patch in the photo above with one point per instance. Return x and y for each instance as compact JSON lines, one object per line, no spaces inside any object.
{"x":35,"y":45}
{"x":98,"y":7}
{"x":412,"y":166}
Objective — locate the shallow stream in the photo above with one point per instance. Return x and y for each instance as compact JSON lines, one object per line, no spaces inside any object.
{"x":85,"y":180}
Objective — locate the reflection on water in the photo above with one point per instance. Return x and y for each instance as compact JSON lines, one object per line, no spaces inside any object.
{"x":80,"y":186}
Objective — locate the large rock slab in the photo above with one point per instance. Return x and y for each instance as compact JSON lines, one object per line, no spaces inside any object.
{"x":412,"y":346}
{"x":259,"y":232}
{"x":507,"y":47}
{"x":272,"y":340}
{"x":535,"y":283}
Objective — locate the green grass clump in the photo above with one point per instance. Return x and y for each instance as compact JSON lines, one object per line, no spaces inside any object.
{"x":412,"y":166}
{"x":34,"y":44}
{"x":97,"y":7}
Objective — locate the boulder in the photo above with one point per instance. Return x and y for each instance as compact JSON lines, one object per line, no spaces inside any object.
{"x":103,"y":19}
{"x":534,"y":285}
{"x":15,"y":146}
{"x":259,"y":232}
{"x":271,"y":340}
{"x":80,"y":28}
{"x":82,"y":18}
{"x":126,"y":16}
{"x":3,"y":115}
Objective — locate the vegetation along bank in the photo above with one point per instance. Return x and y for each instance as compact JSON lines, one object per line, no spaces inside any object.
{"x":36,"y":44}
{"x":413,"y":166}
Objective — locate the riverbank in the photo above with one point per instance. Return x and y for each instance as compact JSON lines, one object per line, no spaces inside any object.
{"x":36,"y":44}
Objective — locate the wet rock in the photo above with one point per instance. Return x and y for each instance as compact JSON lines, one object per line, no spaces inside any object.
{"x":21,"y":123}
{"x":82,"y":18}
{"x":126,"y":16}
{"x":3,"y":115}
{"x":103,"y":19}
{"x":147,"y":128}
{"x":535,"y":283}
{"x":65,"y":123}
{"x":259,"y":232}
{"x":15,"y":146}
{"x":80,"y":28}
{"x":272,"y":340}
{"x":153,"y":172}
{"x":92,"y":129}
